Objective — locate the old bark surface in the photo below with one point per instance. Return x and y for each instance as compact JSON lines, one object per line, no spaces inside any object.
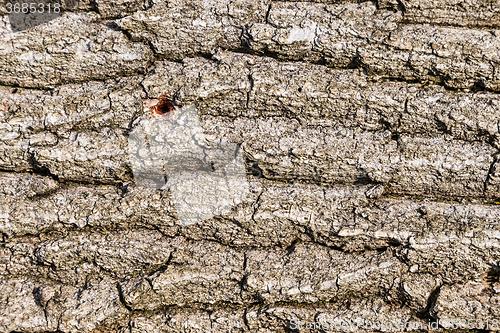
{"x":370,"y":134}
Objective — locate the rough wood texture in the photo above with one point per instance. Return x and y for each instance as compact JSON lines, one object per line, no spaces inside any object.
{"x":370,"y":134}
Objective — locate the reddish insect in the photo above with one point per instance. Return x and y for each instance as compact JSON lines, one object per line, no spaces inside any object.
{"x":164,"y":108}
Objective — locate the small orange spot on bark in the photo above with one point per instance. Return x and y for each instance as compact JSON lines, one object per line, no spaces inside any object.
{"x":161,"y":107}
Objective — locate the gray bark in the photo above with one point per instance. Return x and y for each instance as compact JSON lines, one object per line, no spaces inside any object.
{"x":370,"y":135}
